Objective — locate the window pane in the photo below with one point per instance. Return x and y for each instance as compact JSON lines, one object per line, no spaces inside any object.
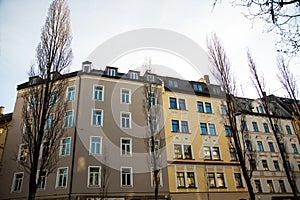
{"x":203,"y":128}
{"x":200,"y":106}
{"x":184,"y":127}
{"x":173,"y":103}
{"x":208,"y":108}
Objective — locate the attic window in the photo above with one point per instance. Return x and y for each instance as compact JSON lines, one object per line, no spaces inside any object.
{"x":134,"y":75}
{"x":173,"y":83}
{"x":150,"y":78}
{"x":198,"y":87}
{"x":111,"y":72}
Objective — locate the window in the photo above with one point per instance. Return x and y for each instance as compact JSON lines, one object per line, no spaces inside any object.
{"x":126,"y":176}
{"x":260,"y":146}
{"x":69,"y":119}
{"x":65,"y":146}
{"x":220,"y":180}
{"x":211,"y":180}
{"x":159,"y":178}
{"x":95,"y":145}
{"x":298,"y":163}
{"x":276,"y":165}
{"x":203,"y":128}
{"x":258,"y":185}
{"x":288,"y":130}
{"x":212,"y":129}
{"x":111,"y":72}
{"x":183,"y":151}
{"x":71,"y":94}
{"x":94,"y":174}
{"x":266,"y":128}
{"x":180,"y":179}
{"x":151,"y":99}
{"x":32,"y":102}
{"x":249,"y":145}
{"x":44,"y":150}
{"x":126,"y":147}
{"x":41,"y":179}
{"x":53,"y":97}
{"x":125,"y":120}
{"x":270,"y":186}
{"x":255,"y":127}
{"x":190,"y":180}
{"x":125,"y":96}
{"x":184,"y":126}
{"x":271,"y":146}
{"x":252,"y":164}
{"x":265,"y":165}
{"x":276,"y":128}
{"x":282,"y":186}
{"x":173,"y":103}
{"x":23,"y":151}
{"x":208,"y":107}
{"x":134,"y":75}
{"x":238,"y":180}
{"x":49,"y":122}
{"x":215,"y":153}
{"x":150,"y":78}
{"x":181,"y":104}
{"x":62,"y":176}
{"x":97,"y":117}
{"x":228,"y":131}
{"x":207,"y":153}
{"x":200,"y":106}
{"x":232,"y":152}
{"x":223,"y":110}
{"x":198,"y":87}
{"x":175,"y":126}
{"x":244,"y":126}
{"x":98,"y":92}
{"x":173,"y":83}
{"x":17,"y":182}
{"x":294,"y":148}
{"x":260,"y":109}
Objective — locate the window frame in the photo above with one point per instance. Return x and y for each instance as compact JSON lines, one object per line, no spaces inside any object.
{"x":125,"y":118}
{"x":288,"y":130}
{"x":44,"y":180}
{"x":260,"y":146}
{"x":96,"y":122}
{"x":94,"y":92}
{"x":258,"y":186}
{"x":125,"y":144}
{"x":57,"y":186}
{"x":71,"y":94}
{"x":294,"y":148}
{"x":255,"y":127}
{"x":68,"y":119}
{"x":181,"y":104}
{"x":95,"y":145}
{"x":19,"y":183}
{"x":20,"y":152}
{"x":181,"y":155}
{"x":208,"y":107}
{"x":130,"y":175}
{"x":68,"y":146}
{"x":271,"y":147}
{"x":173,"y":103}
{"x":266,"y":127}
{"x":238,"y":180}
{"x":125,"y":95}
{"x":265,"y":165}
{"x":89,"y":176}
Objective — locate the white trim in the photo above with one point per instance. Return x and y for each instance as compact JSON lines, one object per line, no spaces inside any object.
{"x":93,"y":97}
{"x":131,"y":177}
{"x":99,"y":177}
{"x":13,"y":183}
{"x":160,"y":177}
{"x":123,"y":112}
{"x":121,"y":94}
{"x":60,"y":146}
{"x":73,"y":86}
{"x":92,"y":116}
{"x":182,"y":151}
{"x":37,"y":178}
{"x":57,"y":179}
{"x":130,"y":153}
{"x":100,"y":150}
{"x":64,"y":122}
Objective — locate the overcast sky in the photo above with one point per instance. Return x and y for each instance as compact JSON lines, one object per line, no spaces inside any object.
{"x":96,"y":21}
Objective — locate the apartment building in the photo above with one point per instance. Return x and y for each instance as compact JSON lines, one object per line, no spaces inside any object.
{"x":263,"y":156}
{"x":105,"y":148}
{"x":5,"y":120}
{"x":201,"y":164}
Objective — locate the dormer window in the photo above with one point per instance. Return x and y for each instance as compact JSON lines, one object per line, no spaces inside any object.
{"x":134,"y":75}
{"x":111,"y":72}
{"x":173,"y":83}
{"x":150,"y":78}
{"x":198,"y":87}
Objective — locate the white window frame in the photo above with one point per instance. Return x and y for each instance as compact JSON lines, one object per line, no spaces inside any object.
{"x":20,"y":151}
{"x":121,"y":119}
{"x":102,"y":97}
{"x":92,"y":118}
{"x":37,"y":179}
{"x":129,"y":95}
{"x":67,"y":118}
{"x":160,"y":178}
{"x":72,"y":95}
{"x":131,"y":177}
{"x":14,"y":182}
{"x":182,"y":151}
{"x":133,"y":75}
{"x":57,"y":178}
{"x":99,"y":177}
{"x":100,"y":145}
{"x":61,"y":147}
{"x":49,"y":122}
{"x":111,"y":72}
{"x":130,"y":145}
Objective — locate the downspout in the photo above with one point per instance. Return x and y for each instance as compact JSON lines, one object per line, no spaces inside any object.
{"x":75,"y":136}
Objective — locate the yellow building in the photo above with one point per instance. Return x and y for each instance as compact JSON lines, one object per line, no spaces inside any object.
{"x":201,"y":164}
{"x":5,"y":120}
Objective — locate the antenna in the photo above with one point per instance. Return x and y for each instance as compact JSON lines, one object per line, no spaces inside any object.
{"x":147,"y":64}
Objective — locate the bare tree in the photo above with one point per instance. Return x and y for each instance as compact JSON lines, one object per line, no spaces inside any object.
{"x":153,"y":141}
{"x":221,"y":68}
{"x":279,"y":16}
{"x":105,"y":174}
{"x":44,"y":98}
{"x":258,"y":82}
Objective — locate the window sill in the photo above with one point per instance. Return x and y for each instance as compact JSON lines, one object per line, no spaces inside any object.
{"x":184,"y":158}
{"x":181,"y":132}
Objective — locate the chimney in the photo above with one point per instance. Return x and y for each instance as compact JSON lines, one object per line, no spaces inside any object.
{"x":206,"y":77}
{"x":1,"y":110}
{"x":86,"y":66}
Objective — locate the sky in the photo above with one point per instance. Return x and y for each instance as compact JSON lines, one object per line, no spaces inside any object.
{"x":94,"y":22}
